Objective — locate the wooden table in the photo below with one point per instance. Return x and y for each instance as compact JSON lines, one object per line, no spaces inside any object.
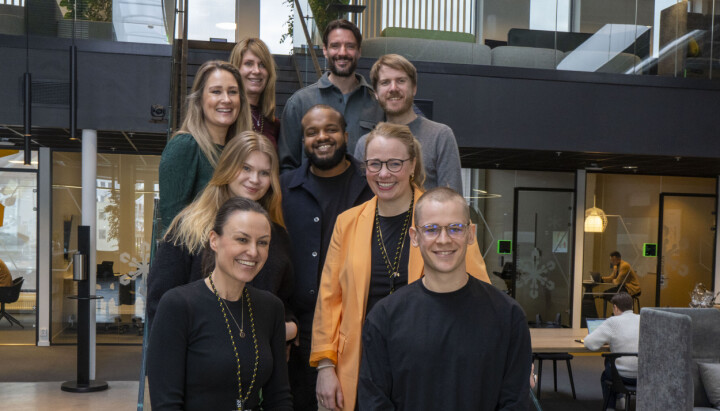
{"x":558,"y":340}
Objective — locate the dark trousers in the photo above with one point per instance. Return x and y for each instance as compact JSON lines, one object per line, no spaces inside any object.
{"x":303,"y":377}
{"x":606,"y":378}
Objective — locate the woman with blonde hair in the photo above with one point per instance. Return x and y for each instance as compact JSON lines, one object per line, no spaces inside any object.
{"x":248,"y":167}
{"x":217,"y":110}
{"x":369,"y":257}
{"x":257,"y":68}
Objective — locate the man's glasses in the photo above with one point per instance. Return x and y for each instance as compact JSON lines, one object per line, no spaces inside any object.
{"x":432,"y":231}
{"x":393,"y":165}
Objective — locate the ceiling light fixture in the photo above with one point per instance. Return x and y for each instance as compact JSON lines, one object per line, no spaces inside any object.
{"x":595,"y":219}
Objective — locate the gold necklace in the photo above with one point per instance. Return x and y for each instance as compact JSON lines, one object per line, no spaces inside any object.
{"x":240,"y":402}
{"x":394,"y":268}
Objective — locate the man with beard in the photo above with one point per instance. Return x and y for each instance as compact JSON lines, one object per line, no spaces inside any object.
{"x":448,"y":341}
{"x":395,"y":81}
{"x":341,"y":88}
{"x":329,"y":182}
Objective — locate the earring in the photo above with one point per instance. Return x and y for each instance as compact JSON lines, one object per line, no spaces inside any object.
{"x":412,"y":177}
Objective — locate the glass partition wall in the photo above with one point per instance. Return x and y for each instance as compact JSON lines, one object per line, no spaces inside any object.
{"x":126,"y":188}
{"x":652,"y":37}
{"x":524,"y":221}
{"x":674,"y":214}
{"x":18,"y":244}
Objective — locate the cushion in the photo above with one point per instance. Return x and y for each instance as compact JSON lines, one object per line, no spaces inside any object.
{"x":700,"y":398}
{"x":710,"y":376}
{"x":427,"y":34}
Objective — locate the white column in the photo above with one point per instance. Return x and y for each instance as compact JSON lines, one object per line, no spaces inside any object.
{"x":89,"y":210}
{"x":44,"y":267}
{"x":578,"y":249}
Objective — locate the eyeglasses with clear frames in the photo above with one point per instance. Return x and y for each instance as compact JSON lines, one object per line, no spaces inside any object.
{"x":393,"y":164}
{"x":432,"y":231}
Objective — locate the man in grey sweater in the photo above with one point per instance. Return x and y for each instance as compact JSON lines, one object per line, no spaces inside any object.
{"x":394,"y":79}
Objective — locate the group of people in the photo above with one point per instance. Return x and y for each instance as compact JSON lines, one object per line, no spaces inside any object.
{"x":340,"y":284}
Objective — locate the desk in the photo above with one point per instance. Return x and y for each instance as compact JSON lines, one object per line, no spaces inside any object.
{"x":558,"y":340}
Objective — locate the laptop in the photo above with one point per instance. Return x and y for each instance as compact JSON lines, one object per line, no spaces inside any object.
{"x":596,"y":277}
{"x":592,"y":324}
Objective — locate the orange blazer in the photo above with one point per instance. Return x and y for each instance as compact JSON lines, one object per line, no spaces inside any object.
{"x":340,"y":309}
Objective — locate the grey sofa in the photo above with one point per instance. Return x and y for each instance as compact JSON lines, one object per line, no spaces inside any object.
{"x":672,"y":343}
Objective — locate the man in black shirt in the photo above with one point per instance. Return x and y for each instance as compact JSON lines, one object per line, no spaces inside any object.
{"x":448,"y":341}
{"x":329,"y":182}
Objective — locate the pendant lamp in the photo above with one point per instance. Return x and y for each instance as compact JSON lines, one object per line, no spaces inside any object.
{"x":595,"y":219}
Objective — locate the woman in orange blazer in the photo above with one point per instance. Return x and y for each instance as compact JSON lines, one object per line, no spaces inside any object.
{"x":368,"y":258}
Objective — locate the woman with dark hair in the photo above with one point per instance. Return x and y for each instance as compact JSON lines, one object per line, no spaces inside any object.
{"x":218,"y":342}
{"x":369,"y":257}
{"x":248,"y":167}
{"x":257,"y":69}
{"x":217,"y":110}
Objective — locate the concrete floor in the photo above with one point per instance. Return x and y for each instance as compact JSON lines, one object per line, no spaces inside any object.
{"x":41,"y":396}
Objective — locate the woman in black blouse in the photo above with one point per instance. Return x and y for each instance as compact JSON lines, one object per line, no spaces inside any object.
{"x":248,"y":167}
{"x":218,"y":342}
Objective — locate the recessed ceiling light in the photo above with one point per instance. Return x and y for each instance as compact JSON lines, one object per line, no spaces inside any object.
{"x":630,"y":167}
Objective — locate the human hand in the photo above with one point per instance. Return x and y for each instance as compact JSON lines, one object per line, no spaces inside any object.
{"x":532,"y":376}
{"x":328,"y":390}
{"x":291,"y":330}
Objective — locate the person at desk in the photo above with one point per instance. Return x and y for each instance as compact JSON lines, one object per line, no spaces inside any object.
{"x":622,"y":333}
{"x":623,"y":277}
{"x":5,"y":276}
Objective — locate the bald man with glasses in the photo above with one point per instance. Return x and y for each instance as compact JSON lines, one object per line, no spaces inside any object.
{"x":448,"y":341}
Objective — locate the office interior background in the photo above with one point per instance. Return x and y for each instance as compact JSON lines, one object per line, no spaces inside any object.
{"x":558,"y":107}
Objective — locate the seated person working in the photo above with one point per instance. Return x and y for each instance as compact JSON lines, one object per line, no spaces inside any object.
{"x":623,"y":276}
{"x":622,"y":332}
{"x":5,"y":276}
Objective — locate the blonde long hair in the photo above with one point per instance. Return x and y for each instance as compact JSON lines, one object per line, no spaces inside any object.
{"x":194,"y":122}
{"x":259,"y":49}
{"x":402,"y":133}
{"x":191,"y":227}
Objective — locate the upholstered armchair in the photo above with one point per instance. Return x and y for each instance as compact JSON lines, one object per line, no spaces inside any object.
{"x":673,"y":341}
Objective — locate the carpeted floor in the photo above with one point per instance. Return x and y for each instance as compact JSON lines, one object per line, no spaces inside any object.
{"x":59,"y":363}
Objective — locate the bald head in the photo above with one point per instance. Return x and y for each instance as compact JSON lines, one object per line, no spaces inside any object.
{"x":441,"y":195}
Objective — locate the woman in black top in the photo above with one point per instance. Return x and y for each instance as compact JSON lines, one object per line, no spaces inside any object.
{"x":248,"y":167}
{"x":218,"y":342}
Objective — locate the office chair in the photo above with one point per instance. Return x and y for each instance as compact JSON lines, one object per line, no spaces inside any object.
{"x":617,"y":385}
{"x":10,"y":295}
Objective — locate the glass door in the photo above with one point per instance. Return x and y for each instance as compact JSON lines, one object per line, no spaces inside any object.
{"x":687,"y":241}
{"x":543,"y":253}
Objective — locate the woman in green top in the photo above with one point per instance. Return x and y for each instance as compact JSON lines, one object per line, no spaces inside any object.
{"x":217,"y":110}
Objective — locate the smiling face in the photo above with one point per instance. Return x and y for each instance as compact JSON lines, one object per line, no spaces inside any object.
{"x":388,"y":185}
{"x":342,"y":52}
{"x":242,"y":249}
{"x":254,"y":75}
{"x":395,"y":91}
{"x":324,"y":139}
{"x":253,"y":179}
{"x":220,"y":101}
{"x":443,"y":254}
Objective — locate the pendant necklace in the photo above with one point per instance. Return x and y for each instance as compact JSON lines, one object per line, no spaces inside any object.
{"x":394,"y":268}
{"x":258,"y":122}
{"x":241,"y":400}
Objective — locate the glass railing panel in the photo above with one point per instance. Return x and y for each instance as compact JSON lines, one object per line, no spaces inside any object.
{"x":650,"y":37}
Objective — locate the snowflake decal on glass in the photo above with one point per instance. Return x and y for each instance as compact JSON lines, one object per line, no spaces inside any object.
{"x":141,"y":265}
{"x":534,"y":274}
